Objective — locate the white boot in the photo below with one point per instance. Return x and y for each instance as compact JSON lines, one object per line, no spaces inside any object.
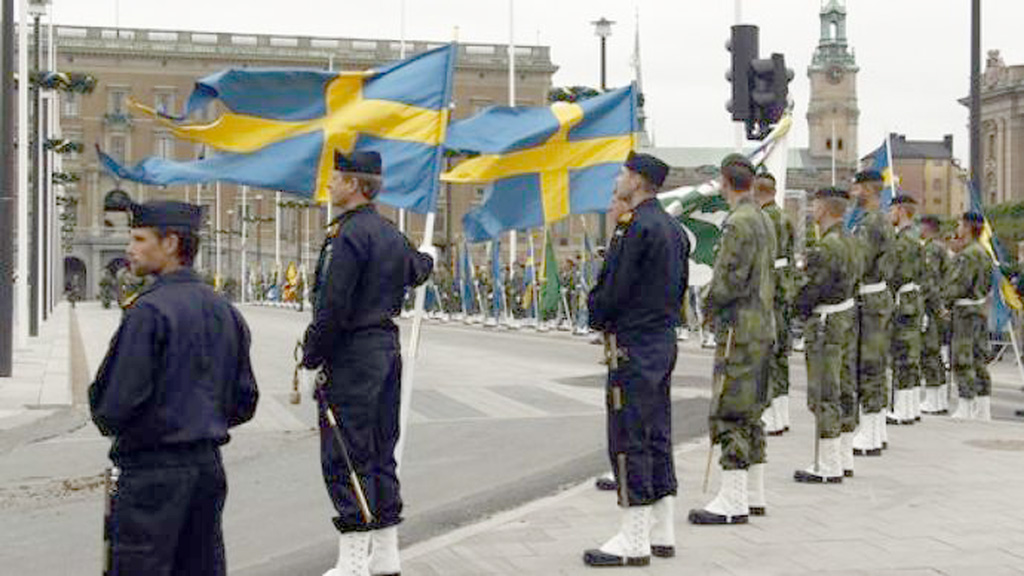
{"x":983,"y":408}
{"x":730,"y":506}
{"x":881,"y":432}
{"x":755,"y":490}
{"x":631,"y":546}
{"x":931,"y":400}
{"x":964,"y":409}
{"x":846,"y":453}
{"x":943,"y":398}
{"x":908,"y":405}
{"x":353,"y":555}
{"x":784,"y":410}
{"x":384,"y":559}
{"x":663,"y":527}
{"x":863,"y":438}
{"x":916,"y":402}
{"x":770,"y":418}
{"x":829,"y":469}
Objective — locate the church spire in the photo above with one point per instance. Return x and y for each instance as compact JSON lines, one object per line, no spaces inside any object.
{"x":645,"y":140}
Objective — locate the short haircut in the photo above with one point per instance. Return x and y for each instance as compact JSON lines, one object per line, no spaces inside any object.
{"x":739,"y":175}
{"x":761,"y":183}
{"x":188,"y":241}
{"x":835,"y":206}
{"x":369,"y":184}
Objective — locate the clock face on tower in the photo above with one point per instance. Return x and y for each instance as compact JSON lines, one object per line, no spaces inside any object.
{"x":835,"y":74}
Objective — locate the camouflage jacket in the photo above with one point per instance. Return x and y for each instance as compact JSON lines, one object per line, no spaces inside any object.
{"x":741,"y":294}
{"x":937,"y":269}
{"x":875,"y":238}
{"x":908,"y":264}
{"x":972,"y":274}
{"x":829,"y":277}
{"x":784,"y":277}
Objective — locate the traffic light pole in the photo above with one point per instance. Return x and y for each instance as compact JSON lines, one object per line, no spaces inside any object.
{"x":33,"y":270}
{"x":7,"y":197}
{"x":976,"y":97}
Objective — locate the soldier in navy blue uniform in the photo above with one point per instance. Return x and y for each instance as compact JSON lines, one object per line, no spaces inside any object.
{"x":176,"y":378}
{"x":364,"y":269}
{"x":636,"y":303}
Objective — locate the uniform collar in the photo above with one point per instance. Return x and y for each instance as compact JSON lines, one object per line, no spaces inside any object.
{"x":368,"y":207}
{"x":648,"y":202}
{"x":179,"y":276}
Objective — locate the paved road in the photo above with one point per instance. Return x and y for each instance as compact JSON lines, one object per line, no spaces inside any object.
{"x":498,"y":418}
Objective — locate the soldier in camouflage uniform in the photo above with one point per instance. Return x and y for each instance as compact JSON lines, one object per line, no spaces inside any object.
{"x":936,"y":326}
{"x":874,"y":310}
{"x":826,"y":304}
{"x":908,"y":259}
{"x":776,"y":415}
{"x":967,"y":294}
{"x":739,"y":304}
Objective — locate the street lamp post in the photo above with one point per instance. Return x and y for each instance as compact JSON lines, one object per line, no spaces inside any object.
{"x":603,"y":29}
{"x":7,"y":195}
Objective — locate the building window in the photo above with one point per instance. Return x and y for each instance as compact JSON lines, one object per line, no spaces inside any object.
{"x":840,"y":144}
{"x":116,"y":101}
{"x":71,"y":105}
{"x":164,"y":102}
{"x":118,"y":147}
{"x":828,"y":144}
{"x":992,"y":146}
{"x":72,"y":156}
{"x":937,"y":185}
{"x":165,"y":146}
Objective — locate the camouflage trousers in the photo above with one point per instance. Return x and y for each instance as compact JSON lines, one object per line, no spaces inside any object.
{"x":849,"y":405}
{"x":906,"y":351}
{"x":874,"y":314}
{"x":778,"y":361}
{"x":931,"y":352}
{"x":826,"y":339}
{"x":970,"y":352}
{"x":735,"y":422}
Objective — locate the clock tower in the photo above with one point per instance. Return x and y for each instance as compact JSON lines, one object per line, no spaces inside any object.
{"x":833,"y":103}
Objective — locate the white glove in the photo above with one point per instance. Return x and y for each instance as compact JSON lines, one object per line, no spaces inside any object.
{"x":429,"y":250}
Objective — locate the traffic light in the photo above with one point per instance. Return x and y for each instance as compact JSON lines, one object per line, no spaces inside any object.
{"x":770,"y":93}
{"x":760,"y":87}
{"x":743,"y":46}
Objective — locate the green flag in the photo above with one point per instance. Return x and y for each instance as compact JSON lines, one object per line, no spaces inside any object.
{"x":551,"y":289}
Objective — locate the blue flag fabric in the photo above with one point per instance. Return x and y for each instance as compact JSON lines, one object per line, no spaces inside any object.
{"x":281,"y":127}
{"x":542,"y":164}
{"x":496,"y":278}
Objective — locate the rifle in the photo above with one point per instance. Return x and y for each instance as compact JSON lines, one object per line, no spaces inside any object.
{"x":353,"y":479}
{"x":716,"y":392}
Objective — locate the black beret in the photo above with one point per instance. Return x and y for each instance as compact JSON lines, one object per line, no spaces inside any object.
{"x":651,"y":168}
{"x":737,"y":160}
{"x":903,"y":199}
{"x":831,"y":192}
{"x":357,"y":162}
{"x":974,"y":217}
{"x":158,"y":214}
{"x":867,"y":176}
{"x":930,"y":220}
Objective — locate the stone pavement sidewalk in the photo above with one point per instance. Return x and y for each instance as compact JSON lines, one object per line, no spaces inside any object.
{"x":944,"y":499}
{"x":41,"y":379}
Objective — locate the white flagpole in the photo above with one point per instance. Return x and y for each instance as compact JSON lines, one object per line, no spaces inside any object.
{"x":511,"y":102}
{"x":277,"y":237}
{"x":243,"y":281}
{"x":401,"y":56}
{"x":23,"y":191}
{"x":833,"y":141}
{"x":216,"y":258}
{"x":892,"y":165}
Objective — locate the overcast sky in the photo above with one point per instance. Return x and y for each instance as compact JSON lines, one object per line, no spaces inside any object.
{"x":914,"y":55}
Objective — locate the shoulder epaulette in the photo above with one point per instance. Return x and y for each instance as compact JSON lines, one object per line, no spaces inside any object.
{"x":625,"y":217}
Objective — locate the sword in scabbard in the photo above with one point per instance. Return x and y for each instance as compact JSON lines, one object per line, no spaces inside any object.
{"x":353,"y":478}
{"x":717,"y":383}
{"x":611,"y":349}
{"x":110,"y":477}
{"x":295,"y":397}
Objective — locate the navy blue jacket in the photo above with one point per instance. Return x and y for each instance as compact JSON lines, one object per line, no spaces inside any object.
{"x":644,"y":275}
{"x":178,"y":369}
{"x":365,"y":266}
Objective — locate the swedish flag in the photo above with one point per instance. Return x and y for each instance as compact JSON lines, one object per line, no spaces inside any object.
{"x":281,"y":127}
{"x":1004,"y":295}
{"x":880,"y":161}
{"x":543,"y":164}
